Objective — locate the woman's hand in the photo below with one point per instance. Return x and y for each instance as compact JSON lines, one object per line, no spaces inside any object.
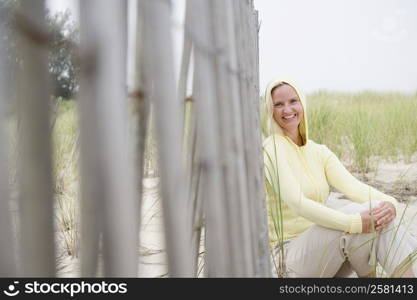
{"x":383,"y":214}
{"x":378,"y":217}
{"x":368,"y":222}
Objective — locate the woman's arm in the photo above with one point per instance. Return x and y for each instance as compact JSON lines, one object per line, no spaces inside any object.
{"x":280,"y":177}
{"x":346,"y":183}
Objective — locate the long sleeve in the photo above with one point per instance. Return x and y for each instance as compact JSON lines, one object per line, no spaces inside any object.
{"x":286,"y":187}
{"x":346,"y":183}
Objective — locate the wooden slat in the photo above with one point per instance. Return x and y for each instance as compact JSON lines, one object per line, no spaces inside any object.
{"x":169,"y":129}
{"x":141,"y":102}
{"x":34,"y":165}
{"x":7,"y":232}
{"x":108,"y":183}
{"x":218,"y":262}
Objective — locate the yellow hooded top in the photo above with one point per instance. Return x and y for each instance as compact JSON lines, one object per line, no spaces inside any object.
{"x":300,"y":176}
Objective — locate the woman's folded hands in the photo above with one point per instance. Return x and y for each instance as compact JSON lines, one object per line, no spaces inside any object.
{"x":378,"y":217}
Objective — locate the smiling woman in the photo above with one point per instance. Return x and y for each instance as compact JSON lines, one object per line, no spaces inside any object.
{"x":312,"y":239}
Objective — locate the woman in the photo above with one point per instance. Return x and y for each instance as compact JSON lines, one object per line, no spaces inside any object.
{"x":316,"y":241}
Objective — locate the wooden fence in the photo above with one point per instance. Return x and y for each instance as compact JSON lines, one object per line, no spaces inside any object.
{"x":208,"y":141}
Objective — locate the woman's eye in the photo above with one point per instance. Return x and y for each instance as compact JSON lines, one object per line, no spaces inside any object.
{"x":294,"y":101}
{"x":278,"y":104}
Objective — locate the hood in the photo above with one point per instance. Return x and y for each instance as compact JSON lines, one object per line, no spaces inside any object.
{"x":271,"y":125}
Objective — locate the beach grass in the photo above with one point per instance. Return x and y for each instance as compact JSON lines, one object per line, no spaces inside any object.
{"x":64,"y":128}
{"x":360,"y":127}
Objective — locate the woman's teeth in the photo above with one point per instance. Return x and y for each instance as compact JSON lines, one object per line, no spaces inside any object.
{"x":289,"y":117}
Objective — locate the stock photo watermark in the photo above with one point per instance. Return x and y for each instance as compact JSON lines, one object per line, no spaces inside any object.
{"x":64,"y":288}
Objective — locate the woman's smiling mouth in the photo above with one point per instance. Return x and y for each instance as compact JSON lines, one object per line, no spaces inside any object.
{"x":289,"y":117}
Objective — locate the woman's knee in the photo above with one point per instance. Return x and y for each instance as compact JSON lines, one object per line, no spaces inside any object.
{"x":371,"y":204}
{"x":354,"y":207}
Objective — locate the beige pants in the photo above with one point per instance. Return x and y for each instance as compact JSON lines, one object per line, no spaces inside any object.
{"x":323,"y":252}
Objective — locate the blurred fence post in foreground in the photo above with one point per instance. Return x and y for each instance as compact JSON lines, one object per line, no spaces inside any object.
{"x":37,"y":245}
{"x":163,"y":95}
{"x":7,"y":245}
{"x":109,"y":199}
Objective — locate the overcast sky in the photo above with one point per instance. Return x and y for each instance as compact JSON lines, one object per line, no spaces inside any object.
{"x":345,"y":45}
{"x":340,"y":44}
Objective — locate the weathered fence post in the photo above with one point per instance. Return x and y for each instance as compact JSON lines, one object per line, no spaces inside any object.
{"x":34,"y":165}
{"x":169,"y":128}
{"x":263,"y":264}
{"x":7,"y":245}
{"x":247,"y":38}
{"x":109,"y":199}
{"x":218,"y":248}
{"x":225,"y":93}
{"x":189,"y":142}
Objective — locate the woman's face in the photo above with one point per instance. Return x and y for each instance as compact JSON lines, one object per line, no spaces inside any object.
{"x":287,"y":108}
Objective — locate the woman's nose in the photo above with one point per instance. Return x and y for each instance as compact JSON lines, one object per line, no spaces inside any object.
{"x":286,"y":109}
